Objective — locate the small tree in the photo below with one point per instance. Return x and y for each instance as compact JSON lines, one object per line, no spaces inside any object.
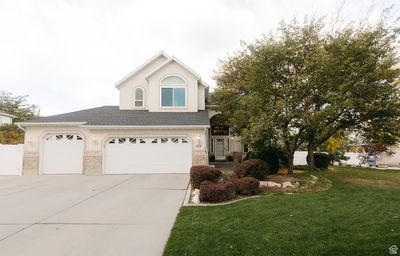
{"x":17,"y":106}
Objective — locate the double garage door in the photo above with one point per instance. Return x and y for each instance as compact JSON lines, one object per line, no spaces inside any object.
{"x":63,"y":154}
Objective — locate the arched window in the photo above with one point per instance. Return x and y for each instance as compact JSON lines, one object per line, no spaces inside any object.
{"x":173,"y":80}
{"x":173,"y":92}
{"x":139,"y":97}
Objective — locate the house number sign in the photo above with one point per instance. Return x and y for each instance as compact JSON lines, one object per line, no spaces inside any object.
{"x":220,"y":130}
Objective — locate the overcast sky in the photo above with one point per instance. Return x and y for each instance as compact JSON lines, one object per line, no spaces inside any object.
{"x":68,"y":55}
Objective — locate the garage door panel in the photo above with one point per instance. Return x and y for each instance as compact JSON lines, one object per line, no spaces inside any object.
{"x":62,"y":154}
{"x":148,"y":155}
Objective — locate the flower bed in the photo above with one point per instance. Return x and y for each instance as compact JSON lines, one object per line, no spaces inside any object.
{"x":211,"y":186}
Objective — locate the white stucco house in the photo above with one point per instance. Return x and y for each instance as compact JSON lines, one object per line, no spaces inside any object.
{"x":6,"y":118}
{"x":160,"y":126}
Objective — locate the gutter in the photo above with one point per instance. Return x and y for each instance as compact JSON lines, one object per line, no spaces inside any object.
{"x":134,"y":127}
{"x":138,"y":127}
{"x":25,"y":124}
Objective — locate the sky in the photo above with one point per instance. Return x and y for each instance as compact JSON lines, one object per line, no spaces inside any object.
{"x":67,"y":55}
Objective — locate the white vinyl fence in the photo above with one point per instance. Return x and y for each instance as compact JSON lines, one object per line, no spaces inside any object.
{"x":384,"y":159}
{"x":300,"y":158}
{"x":353,"y":159}
{"x":11,"y":157}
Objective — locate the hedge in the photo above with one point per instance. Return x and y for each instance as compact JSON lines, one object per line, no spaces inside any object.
{"x":200,"y":173}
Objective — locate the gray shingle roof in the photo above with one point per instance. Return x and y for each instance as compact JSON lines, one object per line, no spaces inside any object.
{"x":111,"y":115}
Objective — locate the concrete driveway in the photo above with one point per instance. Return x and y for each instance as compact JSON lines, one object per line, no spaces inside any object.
{"x":88,"y":215}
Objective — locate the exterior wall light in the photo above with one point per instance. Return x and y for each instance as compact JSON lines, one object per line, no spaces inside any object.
{"x":198,"y":145}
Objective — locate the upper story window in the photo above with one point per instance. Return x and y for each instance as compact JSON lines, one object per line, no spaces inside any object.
{"x":173,"y":92}
{"x":139,"y":97}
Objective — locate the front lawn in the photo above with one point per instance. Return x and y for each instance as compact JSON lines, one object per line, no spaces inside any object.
{"x":359,"y":215}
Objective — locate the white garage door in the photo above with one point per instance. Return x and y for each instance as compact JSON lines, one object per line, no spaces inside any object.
{"x":62,"y":154}
{"x":124,"y":155}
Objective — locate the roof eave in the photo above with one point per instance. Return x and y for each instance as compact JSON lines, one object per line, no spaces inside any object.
{"x":138,"y":127}
{"x":26,"y":124}
{"x":169,"y":61}
{"x":7,"y":115}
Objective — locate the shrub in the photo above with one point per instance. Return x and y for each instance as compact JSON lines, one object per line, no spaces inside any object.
{"x":247,"y":186}
{"x":201,"y":173}
{"x":11,"y":134}
{"x":274,"y":156}
{"x":322,"y":160}
{"x":252,"y":155}
{"x":211,"y":158}
{"x":217,"y":192}
{"x":255,"y":168}
{"x":229,"y":158}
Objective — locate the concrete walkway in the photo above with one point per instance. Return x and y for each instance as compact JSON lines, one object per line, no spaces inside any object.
{"x":88,"y":215}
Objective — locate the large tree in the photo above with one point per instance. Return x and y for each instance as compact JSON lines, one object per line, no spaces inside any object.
{"x":17,"y":106}
{"x":305,"y":85}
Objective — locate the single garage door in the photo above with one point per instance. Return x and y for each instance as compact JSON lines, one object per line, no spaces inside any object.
{"x":62,"y":154}
{"x":127,"y":155}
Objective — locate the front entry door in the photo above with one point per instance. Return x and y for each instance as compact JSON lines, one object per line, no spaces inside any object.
{"x":219,"y":149}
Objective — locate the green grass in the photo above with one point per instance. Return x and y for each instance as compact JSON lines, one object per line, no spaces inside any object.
{"x":351,"y":218}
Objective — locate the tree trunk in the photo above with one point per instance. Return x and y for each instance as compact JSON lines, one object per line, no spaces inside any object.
{"x":290,"y":162}
{"x":310,"y":155}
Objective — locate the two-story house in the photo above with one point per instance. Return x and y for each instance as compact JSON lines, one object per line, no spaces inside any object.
{"x":160,"y":126}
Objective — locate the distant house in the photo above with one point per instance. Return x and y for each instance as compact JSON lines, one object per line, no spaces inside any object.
{"x":5,"y":118}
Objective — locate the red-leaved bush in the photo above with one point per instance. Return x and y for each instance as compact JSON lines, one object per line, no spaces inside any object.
{"x":247,"y":186}
{"x":200,"y":173}
{"x":255,"y":168}
{"x":217,"y":192}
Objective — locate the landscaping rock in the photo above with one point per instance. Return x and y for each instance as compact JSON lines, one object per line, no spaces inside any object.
{"x":263,"y":183}
{"x":273,"y":184}
{"x":287,"y":184}
{"x":314,"y":177}
{"x":196,"y":192}
{"x":296,"y":184}
{"x":196,"y":196}
{"x":196,"y":199}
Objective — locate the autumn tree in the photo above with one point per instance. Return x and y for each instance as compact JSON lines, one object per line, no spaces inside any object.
{"x":304,"y":85}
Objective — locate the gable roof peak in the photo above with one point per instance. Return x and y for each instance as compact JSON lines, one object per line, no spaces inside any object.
{"x":173,"y":59}
{"x":133,"y":73}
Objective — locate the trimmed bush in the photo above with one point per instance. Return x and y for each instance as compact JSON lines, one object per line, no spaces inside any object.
{"x":247,"y":186}
{"x":322,"y":160}
{"x":255,"y":168}
{"x":200,"y":173}
{"x":274,"y":156}
{"x":217,"y":192}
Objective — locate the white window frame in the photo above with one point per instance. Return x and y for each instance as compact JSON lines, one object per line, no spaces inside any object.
{"x":173,"y":86}
{"x":134,"y":97}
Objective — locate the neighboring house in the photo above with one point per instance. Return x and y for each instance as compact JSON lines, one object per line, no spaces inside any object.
{"x":5,"y":118}
{"x":160,"y":126}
